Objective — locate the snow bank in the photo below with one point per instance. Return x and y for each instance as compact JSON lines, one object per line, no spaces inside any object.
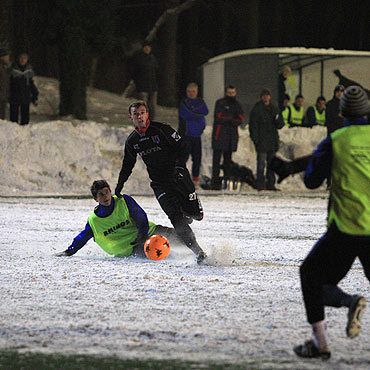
{"x":64,"y":157}
{"x":61,"y":157}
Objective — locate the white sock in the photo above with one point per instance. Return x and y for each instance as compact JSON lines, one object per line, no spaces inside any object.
{"x":320,"y":334}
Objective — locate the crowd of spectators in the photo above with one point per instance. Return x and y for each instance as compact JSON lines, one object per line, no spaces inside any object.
{"x":265,"y":119}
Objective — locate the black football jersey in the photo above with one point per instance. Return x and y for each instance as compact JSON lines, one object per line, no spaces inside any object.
{"x":160,"y":147}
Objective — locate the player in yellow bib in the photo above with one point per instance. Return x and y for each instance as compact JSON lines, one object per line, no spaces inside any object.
{"x":118,"y":225}
{"x":344,"y":156}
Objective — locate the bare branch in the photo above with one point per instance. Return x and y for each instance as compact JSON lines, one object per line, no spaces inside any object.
{"x":169,"y":12}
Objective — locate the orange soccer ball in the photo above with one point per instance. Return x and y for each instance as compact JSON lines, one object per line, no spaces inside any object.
{"x":157,"y":248}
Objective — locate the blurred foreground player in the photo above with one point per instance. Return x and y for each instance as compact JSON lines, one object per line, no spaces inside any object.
{"x":164,"y":153}
{"x":345,"y":155}
{"x":118,"y":225}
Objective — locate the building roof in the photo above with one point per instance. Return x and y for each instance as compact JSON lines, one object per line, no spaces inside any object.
{"x":295,"y":57}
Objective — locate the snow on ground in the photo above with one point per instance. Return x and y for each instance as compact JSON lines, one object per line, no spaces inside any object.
{"x":245,"y":306}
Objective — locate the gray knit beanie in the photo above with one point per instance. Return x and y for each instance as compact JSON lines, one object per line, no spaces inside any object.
{"x":354,"y":102}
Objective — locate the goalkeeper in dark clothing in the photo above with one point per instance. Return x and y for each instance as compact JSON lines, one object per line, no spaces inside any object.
{"x":164,"y":153}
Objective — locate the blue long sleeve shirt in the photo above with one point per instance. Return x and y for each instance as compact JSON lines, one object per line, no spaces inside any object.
{"x":136,"y":213}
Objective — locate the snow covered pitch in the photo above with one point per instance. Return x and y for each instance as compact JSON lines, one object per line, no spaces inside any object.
{"x":245,"y":307}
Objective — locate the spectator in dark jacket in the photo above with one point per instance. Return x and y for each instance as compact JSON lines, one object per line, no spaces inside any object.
{"x":22,"y":90}
{"x":285,"y":72}
{"x":4,"y":81}
{"x":192,"y":122}
{"x":265,"y":120}
{"x":334,"y":119}
{"x":144,"y":69}
{"x":225,"y":136}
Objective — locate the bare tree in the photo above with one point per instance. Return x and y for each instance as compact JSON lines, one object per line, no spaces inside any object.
{"x":252,"y":27}
{"x":165,"y":28}
{"x":171,"y":12}
{"x":5,"y":22}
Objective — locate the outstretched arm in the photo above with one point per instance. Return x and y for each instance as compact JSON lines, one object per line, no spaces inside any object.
{"x":78,"y":242}
{"x":128,"y":163}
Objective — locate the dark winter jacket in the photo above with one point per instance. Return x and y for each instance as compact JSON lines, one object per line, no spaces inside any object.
{"x":333,"y":119}
{"x":22,"y":87}
{"x":144,"y":69}
{"x":4,"y":82}
{"x":160,"y":147}
{"x":192,"y":114}
{"x":227,"y":118}
{"x":264,"y":123}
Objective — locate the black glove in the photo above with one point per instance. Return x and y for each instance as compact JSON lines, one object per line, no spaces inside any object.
{"x":65,"y":253}
{"x":140,"y":239}
{"x":118,"y":189}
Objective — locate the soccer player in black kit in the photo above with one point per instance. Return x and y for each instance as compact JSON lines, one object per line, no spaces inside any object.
{"x":164,"y":153}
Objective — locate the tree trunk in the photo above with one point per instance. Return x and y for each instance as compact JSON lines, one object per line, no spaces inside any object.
{"x":6,"y":24}
{"x":252,"y":27}
{"x":74,"y":67}
{"x":167,"y":94}
{"x":276,"y":24}
{"x":189,"y":49}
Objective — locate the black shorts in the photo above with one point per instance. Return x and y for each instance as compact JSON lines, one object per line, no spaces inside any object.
{"x":178,"y":196}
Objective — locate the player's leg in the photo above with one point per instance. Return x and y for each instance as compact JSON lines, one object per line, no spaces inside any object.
{"x":327,"y":263}
{"x":196,"y":154}
{"x":168,"y":201}
{"x":358,"y":305}
{"x":186,"y":195}
{"x":167,"y":232}
{"x":335,"y":297}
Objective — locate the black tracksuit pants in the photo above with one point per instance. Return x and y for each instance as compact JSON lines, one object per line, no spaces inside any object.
{"x":175,"y":205}
{"x":216,"y":166}
{"x":195,"y":150}
{"x":328,"y":263}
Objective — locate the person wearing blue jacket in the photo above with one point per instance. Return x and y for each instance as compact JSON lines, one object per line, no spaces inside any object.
{"x":118,"y":225}
{"x":192,"y":122}
{"x":344,"y":156}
